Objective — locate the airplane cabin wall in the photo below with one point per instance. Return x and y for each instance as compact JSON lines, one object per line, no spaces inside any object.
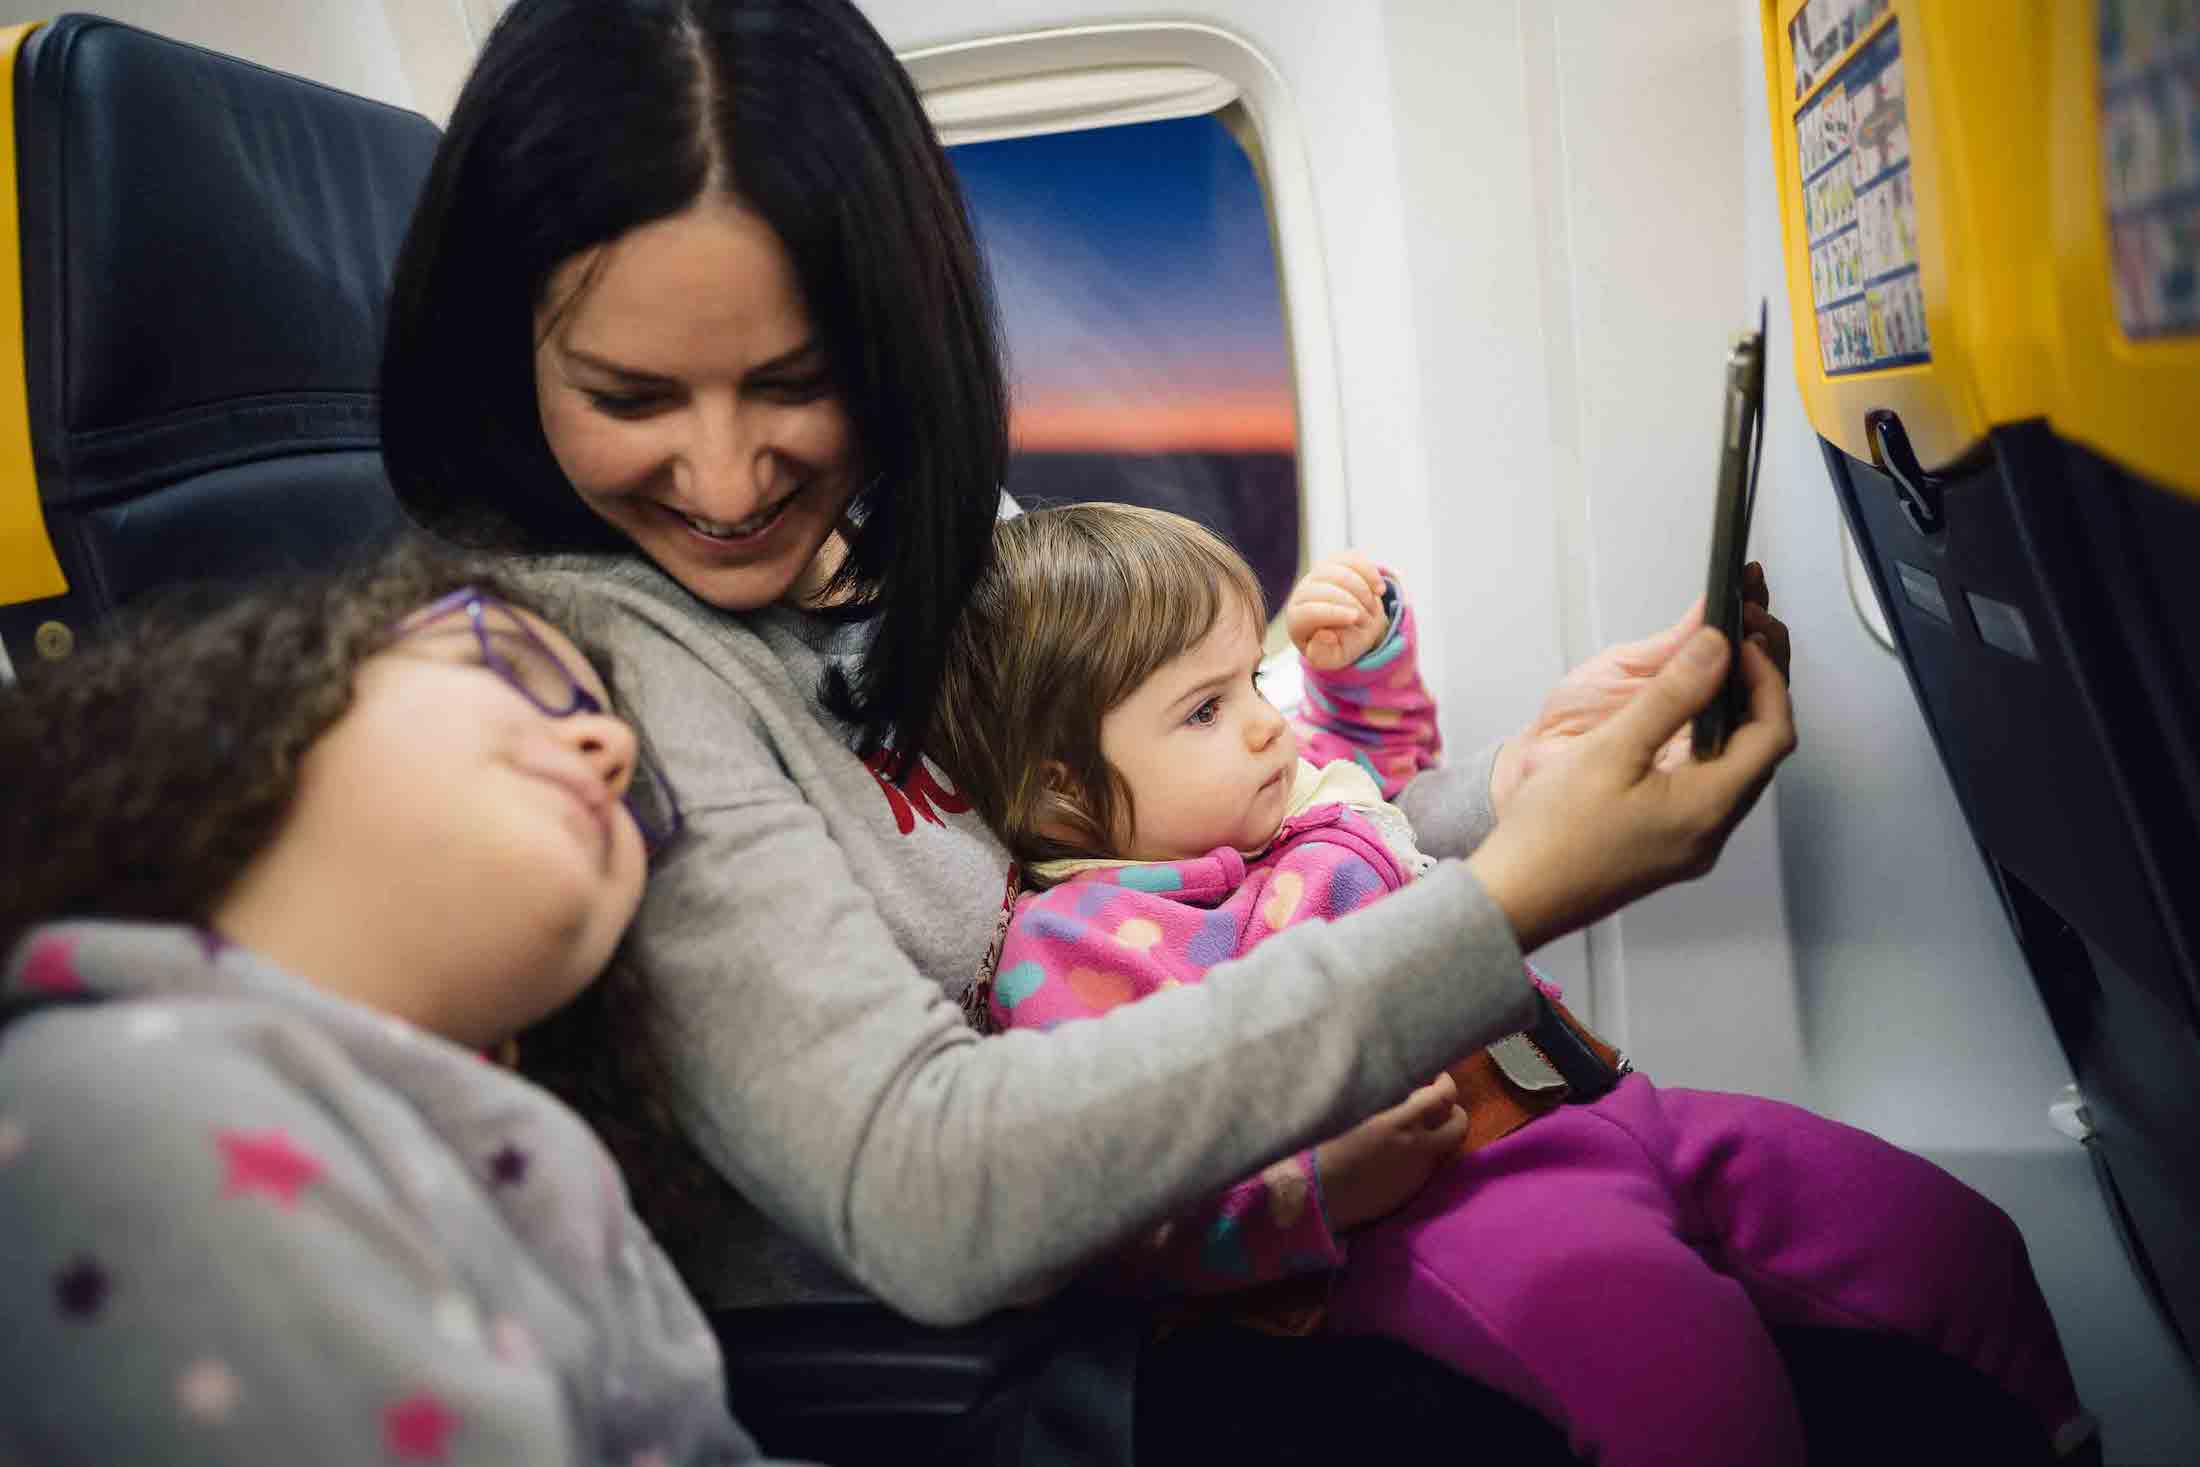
{"x":341,"y":43}
{"x":1600,"y":284}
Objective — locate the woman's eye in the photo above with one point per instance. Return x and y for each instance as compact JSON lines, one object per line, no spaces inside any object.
{"x":1206,"y":712}
{"x":796,"y":390}
{"x":626,"y":404}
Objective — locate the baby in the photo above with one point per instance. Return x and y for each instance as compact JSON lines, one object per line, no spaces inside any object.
{"x":1612,"y":1261}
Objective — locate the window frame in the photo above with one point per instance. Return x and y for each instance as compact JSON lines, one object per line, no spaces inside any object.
{"x":1077,"y":77}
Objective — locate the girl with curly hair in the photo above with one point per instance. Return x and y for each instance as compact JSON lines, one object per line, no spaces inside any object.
{"x":277,"y":877}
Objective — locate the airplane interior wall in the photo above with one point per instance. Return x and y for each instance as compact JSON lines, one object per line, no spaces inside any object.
{"x":1601,"y":285}
{"x":342,"y":43}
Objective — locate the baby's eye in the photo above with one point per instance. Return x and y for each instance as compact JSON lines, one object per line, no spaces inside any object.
{"x":1207,"y":712}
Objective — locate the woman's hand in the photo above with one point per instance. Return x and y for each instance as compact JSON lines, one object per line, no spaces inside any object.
{"x":1600,"y":687}
{"x":1335,"y":612}
{"x":1607,"y":816}
{"x":1374,"y":1168}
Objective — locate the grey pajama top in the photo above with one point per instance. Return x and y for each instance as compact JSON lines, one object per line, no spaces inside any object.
{"x":245,"y":1220}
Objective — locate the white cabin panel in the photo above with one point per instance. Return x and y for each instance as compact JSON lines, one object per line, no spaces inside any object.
{"x":344,"y":43}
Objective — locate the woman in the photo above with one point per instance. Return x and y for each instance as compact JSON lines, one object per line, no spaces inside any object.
{"x":276,"y":878}
{"x":760,"y":398}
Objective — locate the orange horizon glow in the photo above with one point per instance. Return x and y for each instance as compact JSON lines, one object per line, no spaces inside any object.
{"x":1226,"y":422}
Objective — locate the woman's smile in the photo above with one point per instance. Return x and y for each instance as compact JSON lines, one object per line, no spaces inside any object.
{"x":683,"y":392}
{"x":747,"y":532}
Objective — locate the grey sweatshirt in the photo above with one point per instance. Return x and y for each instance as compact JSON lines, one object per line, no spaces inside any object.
{"x":806,"y":941}
{"x":246,"y":1220}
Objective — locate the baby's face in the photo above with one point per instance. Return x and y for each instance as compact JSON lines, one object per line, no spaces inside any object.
{"x":1208,"y":759}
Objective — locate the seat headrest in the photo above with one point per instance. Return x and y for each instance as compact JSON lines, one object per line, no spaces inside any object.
{"x":206,"y":255}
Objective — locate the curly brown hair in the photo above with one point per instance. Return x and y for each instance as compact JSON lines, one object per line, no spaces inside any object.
{"x":140,"y":777}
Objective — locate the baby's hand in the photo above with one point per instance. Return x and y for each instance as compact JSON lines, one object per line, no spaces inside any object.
{"x":1335,"y":614}
{"x":1375,"y":1168}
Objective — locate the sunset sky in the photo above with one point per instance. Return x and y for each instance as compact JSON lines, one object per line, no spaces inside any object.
{"x":1137,"y":287}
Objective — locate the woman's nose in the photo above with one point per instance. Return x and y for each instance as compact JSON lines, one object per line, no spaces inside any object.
{"x":726,"y":472}
{"x":607,"y":743}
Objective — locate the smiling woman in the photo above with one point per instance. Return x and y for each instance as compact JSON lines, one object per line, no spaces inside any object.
{"x":692,"y":293}
{"x":687,"y":400}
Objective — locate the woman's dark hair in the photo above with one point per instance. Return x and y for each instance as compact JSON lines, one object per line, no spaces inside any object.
{"x":585,"y":119}
{"x":140,"y":777}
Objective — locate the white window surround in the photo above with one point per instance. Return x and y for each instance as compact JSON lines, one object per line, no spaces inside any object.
{"x":1101,"y":75}
{"x":1066,"y":101}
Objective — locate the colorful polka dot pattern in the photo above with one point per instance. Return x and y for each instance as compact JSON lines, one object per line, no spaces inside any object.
{"x":1113,"y":936}
{"x":1376,"y":712}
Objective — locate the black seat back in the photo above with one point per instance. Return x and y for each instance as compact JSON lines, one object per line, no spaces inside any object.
{"x":206,"y":252}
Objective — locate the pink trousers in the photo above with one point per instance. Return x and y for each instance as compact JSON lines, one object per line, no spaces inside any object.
{"x":1614,"y":1265}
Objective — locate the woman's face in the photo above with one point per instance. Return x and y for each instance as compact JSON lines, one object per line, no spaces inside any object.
{"x":453,"y":854}
{"x":685,"y":395}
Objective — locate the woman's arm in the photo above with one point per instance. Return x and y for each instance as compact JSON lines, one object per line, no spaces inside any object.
{"x":835,"y":1085}
{"x":1451,"y":806}
{"x":832,"y":1082}
{"x":842,"y":1092}
{"x":1058,"y":969}
{"x":1454,"y":807}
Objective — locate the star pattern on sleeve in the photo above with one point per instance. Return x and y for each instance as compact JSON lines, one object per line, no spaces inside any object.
{"x":266,"y":1162}
{"x":508,"y":1168}
{"x":418,"y":1428}
{"x":49,"y":967}
{"x":80,"y":1289}
{"x":208,"y":1391}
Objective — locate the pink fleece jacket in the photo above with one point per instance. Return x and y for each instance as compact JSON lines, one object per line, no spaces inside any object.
{"x":1110,"y":936}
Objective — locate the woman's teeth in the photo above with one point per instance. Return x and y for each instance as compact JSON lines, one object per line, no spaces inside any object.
{"x":736,"y":529}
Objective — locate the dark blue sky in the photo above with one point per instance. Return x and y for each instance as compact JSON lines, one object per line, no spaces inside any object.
{"x":1137,"y":284}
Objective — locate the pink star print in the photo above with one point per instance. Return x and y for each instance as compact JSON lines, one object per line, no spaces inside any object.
{"x":417,"y":1428}
{"x":266,"y":1161}
{"x":48,"y":969}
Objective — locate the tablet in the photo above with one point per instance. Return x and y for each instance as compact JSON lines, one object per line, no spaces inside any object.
{"x":1740,"y":444}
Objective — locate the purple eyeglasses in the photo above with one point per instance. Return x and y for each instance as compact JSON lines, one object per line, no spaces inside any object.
{"x":511,"y":650}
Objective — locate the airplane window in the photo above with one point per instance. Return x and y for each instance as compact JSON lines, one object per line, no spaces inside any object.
{"x":1144,"y":325}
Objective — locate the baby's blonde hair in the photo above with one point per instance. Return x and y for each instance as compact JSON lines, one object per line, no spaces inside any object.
{"x":1080,"y":605}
